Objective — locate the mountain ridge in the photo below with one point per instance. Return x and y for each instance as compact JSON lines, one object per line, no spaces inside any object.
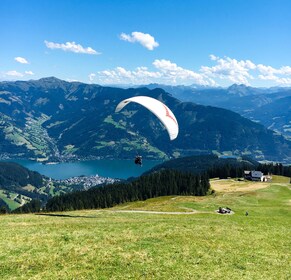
{"x":51,"y":119}
{"x":253,"y":103}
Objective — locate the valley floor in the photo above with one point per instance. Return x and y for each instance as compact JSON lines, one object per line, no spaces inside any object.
{"x":130,"y":242}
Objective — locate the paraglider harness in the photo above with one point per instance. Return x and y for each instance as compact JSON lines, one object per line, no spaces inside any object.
{"x":138,"y":160}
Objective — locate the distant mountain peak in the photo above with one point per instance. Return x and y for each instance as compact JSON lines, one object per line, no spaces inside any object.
{"x":237,"y":87}
{"x":52,"y":79}
{"x":51,"y":82}
{"x":240,"y":90}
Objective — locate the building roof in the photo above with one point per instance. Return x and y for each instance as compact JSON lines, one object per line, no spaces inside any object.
{"x":256,"y":174}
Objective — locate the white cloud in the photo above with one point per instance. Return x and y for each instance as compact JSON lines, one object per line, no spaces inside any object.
{"x":268,"y":77}
{"x":29,"y":73}
{"x":279,"y":76}
{"x":14,"y":73}
{"x":91,"y":77}
{"x":230,"y":69}
{"x":278,"y":80}
{"x":266,"y":70}
{"x":285,"y":70}
{"x":71,"y":47}
{"x":119,"y":75}
{"x":285,"y":81}
{"x":21,"y":60}
{"x":144,"y":39}
{"x":213,"y":57}
{"x":269,"y":70}
{"x":176,"y":74}
{"x":244,"y":71}
{"x":72,"y":80}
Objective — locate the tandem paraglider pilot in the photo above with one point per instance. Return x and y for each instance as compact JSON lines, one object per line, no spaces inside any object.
{"x":138,"y":160}
{"x":164,"y":114}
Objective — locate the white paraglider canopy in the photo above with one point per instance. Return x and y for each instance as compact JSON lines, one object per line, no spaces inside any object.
{"x":158,"y":108}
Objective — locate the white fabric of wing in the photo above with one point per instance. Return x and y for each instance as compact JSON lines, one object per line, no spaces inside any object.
{"x":157,"y":108}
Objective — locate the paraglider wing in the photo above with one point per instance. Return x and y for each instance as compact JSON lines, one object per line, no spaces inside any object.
{"x":158,"y":108}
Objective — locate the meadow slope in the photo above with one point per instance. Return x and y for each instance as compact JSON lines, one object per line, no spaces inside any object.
{"x":112,"y":244}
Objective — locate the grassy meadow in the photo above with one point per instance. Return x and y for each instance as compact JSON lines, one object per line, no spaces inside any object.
{"x":192,"y":242}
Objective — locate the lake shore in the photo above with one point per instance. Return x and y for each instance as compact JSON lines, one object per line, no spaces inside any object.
{"x":120,"y":169}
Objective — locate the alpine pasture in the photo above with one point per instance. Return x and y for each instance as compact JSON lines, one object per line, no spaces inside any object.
{"x":178,"y":237}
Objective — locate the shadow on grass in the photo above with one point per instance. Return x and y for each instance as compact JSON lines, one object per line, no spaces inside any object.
{"x":64,"y":215}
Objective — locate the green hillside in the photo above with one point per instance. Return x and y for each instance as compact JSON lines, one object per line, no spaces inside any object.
{"x":19,"y":185}
{"x":115,"y":244}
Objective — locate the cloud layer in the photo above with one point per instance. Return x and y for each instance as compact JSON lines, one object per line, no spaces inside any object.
{"x":245,"y":71}
{"x":71,"y":47}
{"x":146,"y":40}
{"x":166,"y":72}
{"x":220,"y":71}
{"x":225,"y":71}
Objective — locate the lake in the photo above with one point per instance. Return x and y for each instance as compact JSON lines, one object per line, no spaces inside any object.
{"x":122,"y":169}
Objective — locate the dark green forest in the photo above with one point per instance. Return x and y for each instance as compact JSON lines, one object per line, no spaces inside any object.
{"x":33,"y":206}
{"x":167,"y":182}
{"x":212,"y":164}
{"x":13,"y":176}
{"x":275,"y":169}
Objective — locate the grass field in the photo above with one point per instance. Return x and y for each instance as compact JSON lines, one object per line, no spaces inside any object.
{"x":199,"y":244}
{"x":9,"y":200}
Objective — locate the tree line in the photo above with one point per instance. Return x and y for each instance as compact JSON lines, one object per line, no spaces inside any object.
{"x":275,"y":169}
{"x":229,"y":170}
{"x":235,"y":170}
{"x":33,"y":206}
{"x":210,"y":164}
{"x":163,"y":183}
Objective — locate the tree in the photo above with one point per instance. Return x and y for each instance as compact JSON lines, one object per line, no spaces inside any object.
{"x":3,"y":210}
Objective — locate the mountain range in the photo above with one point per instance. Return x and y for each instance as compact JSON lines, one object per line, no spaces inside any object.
{"x":53,"y":120}
{"x":268,"y":106}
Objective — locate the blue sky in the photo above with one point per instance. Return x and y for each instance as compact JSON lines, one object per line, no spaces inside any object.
{"x":213,"y":43}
